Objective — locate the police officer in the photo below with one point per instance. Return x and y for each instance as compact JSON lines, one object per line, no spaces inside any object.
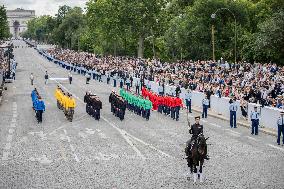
{"x":127,"y":83}
{"x":161,"y":90}
{"x":70,"y":77}
{"x":88,"y":77}
{"x":205,"y":105}
{"x":46,"y":77}
{"x":188,"y":96}
{"x":233,"y":113}
{"x":280,"y":123}
{"x":254,"y":116}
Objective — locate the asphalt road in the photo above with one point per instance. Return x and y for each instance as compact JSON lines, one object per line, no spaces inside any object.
{"x":110,"y":153}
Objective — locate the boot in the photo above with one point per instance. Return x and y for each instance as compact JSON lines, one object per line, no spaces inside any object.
{"x":206,"y":157}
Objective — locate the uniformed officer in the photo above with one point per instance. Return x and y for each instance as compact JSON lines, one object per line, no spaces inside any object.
{"x":280,"y":123}
{"x":161,"y":90}
{"x":128,"y":83}
{"x":70,"y":77}
{"x":254,"y":116}
{"x":233,"y":113}
{"x":205,"y":105}
{"x":188,"y":96}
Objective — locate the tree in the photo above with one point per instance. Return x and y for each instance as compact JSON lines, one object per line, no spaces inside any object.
{"x":4,"y":28}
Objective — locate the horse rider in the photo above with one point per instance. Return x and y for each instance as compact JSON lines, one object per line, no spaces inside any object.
{"x":196,"y":129}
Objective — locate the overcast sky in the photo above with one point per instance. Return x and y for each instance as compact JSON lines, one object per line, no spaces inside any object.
{"x":42,"y":7}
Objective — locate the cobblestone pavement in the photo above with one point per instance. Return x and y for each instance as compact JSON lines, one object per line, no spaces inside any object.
{"x":110,"y":153}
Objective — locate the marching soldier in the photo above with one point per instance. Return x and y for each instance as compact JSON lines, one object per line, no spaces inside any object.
{"x":280,"y":124}
{"x":205,"y":105}
{"x":233,"y":114}
{"x":254,"y":116}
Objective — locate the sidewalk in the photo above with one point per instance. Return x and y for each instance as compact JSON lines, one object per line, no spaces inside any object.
{"x":244,"y":123}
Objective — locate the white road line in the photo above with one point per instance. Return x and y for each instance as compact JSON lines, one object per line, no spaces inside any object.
{"x":5,"y":156}
{"x":123,"y":134}
{"x":149,"y":145}
{"x":11,"y":131}
{"x":276,"y":147}
{"x":13,"y":120}
{"x":15,"y":115}
{"x":215,"y":125}
{"x":8,"y":146}
{"x":13,"y":125}
{"x":9,"y":138}
{"x":72,"y":148}
{"x":204,"y":121}
{"x":251,"y":138}
{"x":76,"y":158}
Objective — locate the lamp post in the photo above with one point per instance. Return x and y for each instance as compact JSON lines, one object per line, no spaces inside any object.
{"x":213,"y":16}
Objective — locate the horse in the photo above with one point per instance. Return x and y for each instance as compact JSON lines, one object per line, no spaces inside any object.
{"x":196,"y":153}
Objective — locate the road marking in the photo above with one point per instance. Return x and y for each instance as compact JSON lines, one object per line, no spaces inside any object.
{"x":204,"y":121}
{"x":276,"y":147}
{"x":8,"y":146}
{"x":233,"y":132}
{"x":5,"y":156}
{"x":11,"y":131}
{"x":251,"y":138}
{"x":9,"y":138}
{"x":10,"y":135}
{"x":71,"y":146}
{"x":215,"y":125}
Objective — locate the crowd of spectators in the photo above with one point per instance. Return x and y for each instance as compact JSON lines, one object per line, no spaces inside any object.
{"x":247,"y":82}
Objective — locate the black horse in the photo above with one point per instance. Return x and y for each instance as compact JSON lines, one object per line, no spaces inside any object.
{"x":196,"y":152}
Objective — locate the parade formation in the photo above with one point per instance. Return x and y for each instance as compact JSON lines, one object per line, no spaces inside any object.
{"x":65,"y":102}
{"x":142,"y":94}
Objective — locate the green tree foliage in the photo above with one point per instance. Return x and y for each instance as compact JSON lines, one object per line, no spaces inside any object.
{"x":4,"y":27}
{"x":169,"y":29}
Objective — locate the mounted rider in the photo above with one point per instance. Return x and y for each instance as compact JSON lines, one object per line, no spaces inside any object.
{"x":196,"y":130}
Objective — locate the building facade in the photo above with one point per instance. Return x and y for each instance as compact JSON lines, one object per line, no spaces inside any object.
{"x":18,"y":20}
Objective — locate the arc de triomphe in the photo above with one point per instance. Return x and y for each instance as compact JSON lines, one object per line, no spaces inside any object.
{"x":18,"y":19}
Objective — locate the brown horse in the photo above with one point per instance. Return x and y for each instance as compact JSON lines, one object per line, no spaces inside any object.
{"x":196,"y":153}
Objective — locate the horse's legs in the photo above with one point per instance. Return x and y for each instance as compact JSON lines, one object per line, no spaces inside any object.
{"x":200,"y":171}
{"x":195,"y":174}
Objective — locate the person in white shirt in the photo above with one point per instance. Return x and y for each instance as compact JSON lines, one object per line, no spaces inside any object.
{"x":205,"y":105}
{"x":280,"y":124}
{"x":233,"y":114}
{"x":254,"y":116}
{"x":32,"y":79}
{"x":188,"y":96}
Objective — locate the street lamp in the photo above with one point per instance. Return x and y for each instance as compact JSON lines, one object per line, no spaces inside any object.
{"x":213,"y":16}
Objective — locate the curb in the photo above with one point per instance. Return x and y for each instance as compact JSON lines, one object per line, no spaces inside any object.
{"x":268,"y":132}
